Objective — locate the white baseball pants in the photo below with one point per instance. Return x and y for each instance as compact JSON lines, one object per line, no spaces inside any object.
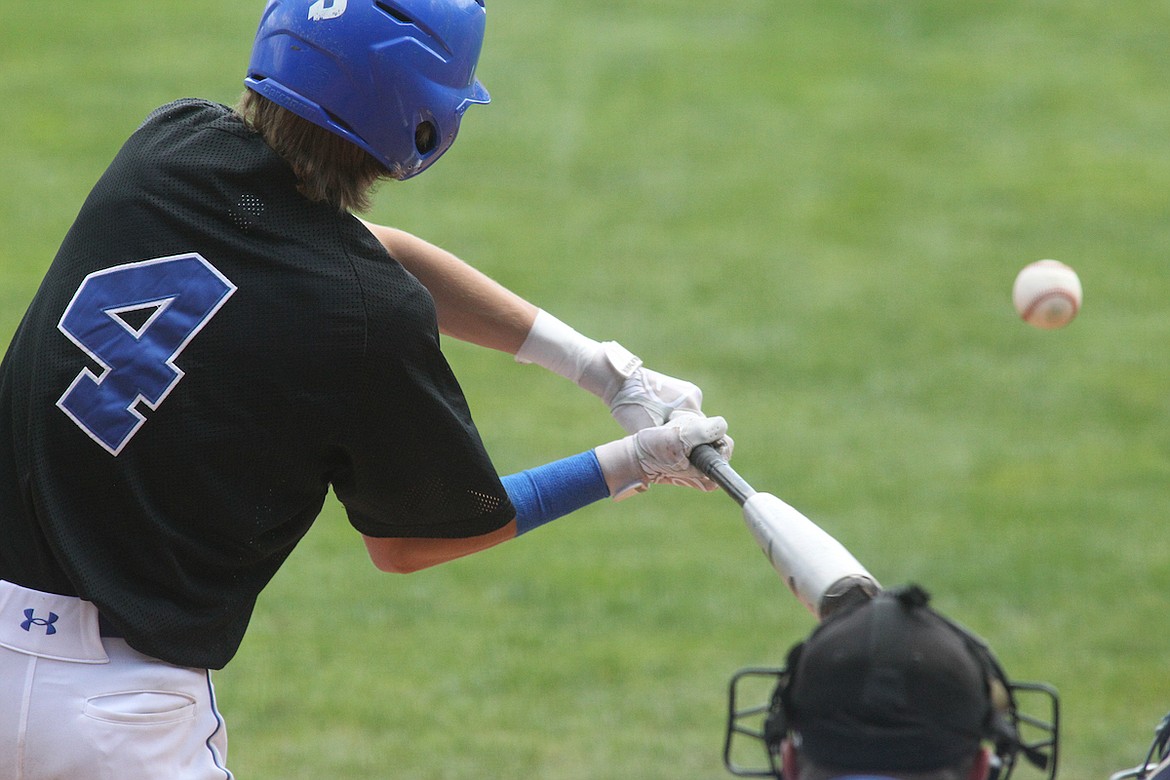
{"x":74,"y":704}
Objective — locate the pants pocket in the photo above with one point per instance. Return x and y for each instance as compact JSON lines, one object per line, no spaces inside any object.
{"x":141,"y":707}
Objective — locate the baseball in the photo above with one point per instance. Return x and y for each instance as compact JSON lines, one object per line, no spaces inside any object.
{"x":1047,"y":294}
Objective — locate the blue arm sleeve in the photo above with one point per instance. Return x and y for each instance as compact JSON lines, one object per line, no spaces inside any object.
{"x":544,"y":493}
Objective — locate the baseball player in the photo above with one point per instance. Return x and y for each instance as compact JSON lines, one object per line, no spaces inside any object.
{"x":219,"y":342}
{"x":890,"y":689}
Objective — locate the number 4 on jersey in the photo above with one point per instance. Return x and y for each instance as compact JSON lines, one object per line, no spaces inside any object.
{"x":135,"y":320}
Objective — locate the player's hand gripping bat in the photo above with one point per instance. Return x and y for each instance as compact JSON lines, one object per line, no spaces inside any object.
{"x":817,"y":568}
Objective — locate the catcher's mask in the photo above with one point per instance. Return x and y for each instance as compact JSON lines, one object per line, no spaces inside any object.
{"x":889,"y":685}
{"x":1157,"y":763}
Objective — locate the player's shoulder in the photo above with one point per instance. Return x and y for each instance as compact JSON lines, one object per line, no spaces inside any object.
{"x":186,"y":111}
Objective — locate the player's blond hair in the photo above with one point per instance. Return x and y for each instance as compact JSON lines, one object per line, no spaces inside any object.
{"x":328,"y":168}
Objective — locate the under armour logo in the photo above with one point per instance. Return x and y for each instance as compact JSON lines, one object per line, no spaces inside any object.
{"x":326,"y":9}
{"x":31,"y":620}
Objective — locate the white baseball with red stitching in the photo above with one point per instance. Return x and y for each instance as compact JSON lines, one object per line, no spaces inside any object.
{"x":1047,"y":294}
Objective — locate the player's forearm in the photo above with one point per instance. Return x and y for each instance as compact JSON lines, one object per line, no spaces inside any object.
{"x":403,"y":556}
{"x":539,"y":495}
{"x":546,"y":493}
{"x":471,"y":306}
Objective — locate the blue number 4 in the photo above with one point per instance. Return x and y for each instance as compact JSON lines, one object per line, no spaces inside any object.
{"x":135,"y":320}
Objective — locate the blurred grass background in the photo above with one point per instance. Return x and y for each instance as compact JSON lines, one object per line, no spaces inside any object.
{"x":815,"y":211}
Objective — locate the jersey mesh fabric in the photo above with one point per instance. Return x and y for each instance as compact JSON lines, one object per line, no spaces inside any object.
{"x":322,"y":369}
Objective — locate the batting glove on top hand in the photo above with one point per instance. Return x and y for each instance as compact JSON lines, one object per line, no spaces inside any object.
{"x":637,"y":397}
{"x":659,"y":455}
{"x":648,"y":399}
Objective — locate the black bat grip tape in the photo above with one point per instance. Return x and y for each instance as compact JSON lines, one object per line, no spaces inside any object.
{"x":708,"y":460}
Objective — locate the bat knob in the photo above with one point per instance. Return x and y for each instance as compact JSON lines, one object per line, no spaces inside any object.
{"x":847,"y":591}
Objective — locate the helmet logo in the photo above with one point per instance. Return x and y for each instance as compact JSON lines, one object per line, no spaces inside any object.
{"x":326,"y":9}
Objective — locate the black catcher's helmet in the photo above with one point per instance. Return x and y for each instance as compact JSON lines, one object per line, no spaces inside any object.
{"x":890,"y":684}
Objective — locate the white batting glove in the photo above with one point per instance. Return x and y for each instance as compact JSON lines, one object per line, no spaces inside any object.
{"x":659,"y":455}
{"x":637,"y":397}
{"x":648,"y":398}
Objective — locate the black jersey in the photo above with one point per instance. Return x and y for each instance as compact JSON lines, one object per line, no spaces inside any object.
{"x":208,"y":353}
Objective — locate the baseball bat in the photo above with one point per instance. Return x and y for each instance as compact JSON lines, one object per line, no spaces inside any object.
{"x":820,"y":572}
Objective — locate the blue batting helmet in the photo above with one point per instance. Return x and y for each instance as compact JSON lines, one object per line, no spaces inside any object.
{"x":392,"y":76}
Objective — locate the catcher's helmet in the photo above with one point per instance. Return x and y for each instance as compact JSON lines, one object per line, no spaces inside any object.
{"x":890,"y":684}
{"x":392,"y":76}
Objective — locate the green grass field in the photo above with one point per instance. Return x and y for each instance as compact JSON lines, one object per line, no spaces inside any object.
{"x":815,"y":211}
